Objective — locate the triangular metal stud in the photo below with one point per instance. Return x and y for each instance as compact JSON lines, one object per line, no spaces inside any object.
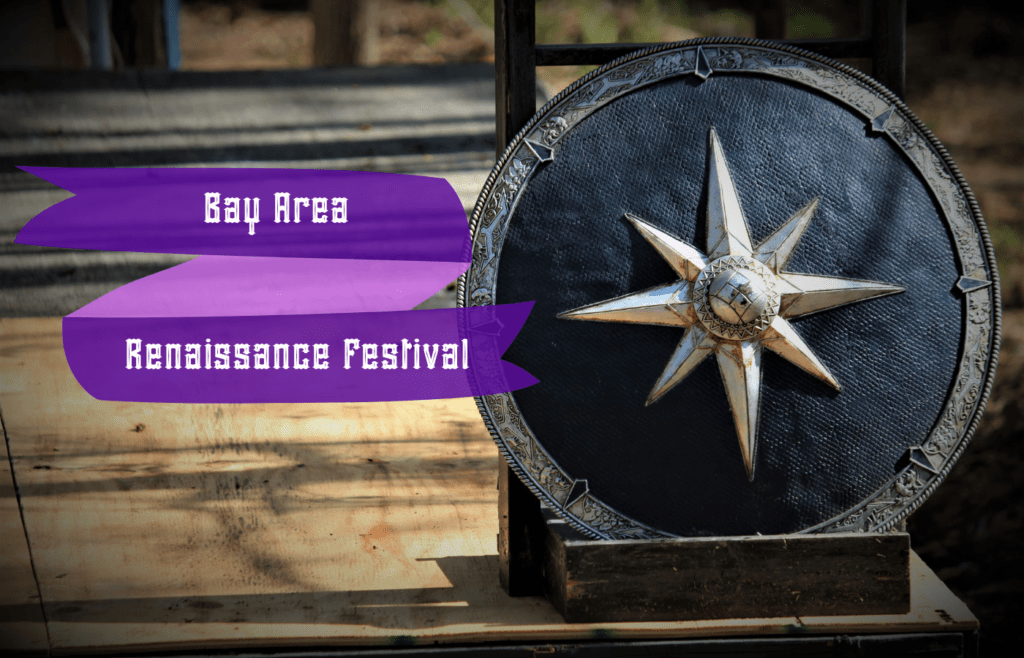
{"x":881,"y":122}
{"x":967,"y":284}
{"x":543,"y":153}
{"x":579,"y":490}
{"x":930,"y":463}
{"x":702,"y":67}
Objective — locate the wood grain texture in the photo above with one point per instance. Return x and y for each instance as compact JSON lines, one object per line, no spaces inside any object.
{"x":174,"y":527}
{"x":22,"y":627}
{"x":722,"y":578}
{"x":345,"y":33}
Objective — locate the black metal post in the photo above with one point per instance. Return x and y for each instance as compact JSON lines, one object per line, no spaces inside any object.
{"x":770,"y":19}
{"x":520,"y":524}
{"x":889,"y":37}
{"x":514,"y":67}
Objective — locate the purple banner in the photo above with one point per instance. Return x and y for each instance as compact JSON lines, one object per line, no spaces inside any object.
{"x":301,"y":296}
{"x":351,"y":357}
{"x":297,"y":213}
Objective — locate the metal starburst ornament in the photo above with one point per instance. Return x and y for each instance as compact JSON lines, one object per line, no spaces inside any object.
{"x":734,"y":301}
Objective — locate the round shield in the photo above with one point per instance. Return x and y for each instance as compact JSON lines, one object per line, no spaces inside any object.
{"x":765,"y":299}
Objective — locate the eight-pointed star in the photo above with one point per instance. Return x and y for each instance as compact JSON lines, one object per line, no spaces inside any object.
{"x":733,"y":301}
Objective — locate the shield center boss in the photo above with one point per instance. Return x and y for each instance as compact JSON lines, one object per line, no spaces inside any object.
{"x":731,"y":244}
{"x":734,"y":300}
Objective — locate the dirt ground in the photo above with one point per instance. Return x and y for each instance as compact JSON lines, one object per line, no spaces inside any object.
{"x":965,"y":80}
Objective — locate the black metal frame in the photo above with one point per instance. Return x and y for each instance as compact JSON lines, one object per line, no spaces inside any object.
{"x":516,"y":56}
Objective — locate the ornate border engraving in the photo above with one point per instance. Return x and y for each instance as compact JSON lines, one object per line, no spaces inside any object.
{"x":893,"y":502}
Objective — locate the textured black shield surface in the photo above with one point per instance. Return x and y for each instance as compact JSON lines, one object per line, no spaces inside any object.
{"x":676,"y":465}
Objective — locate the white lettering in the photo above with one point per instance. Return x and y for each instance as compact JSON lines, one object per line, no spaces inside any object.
{"x":254,"y":218}
{"x":369,"y":353}
{"x":222,"y":352}
{"x":134,"y":350}
{"x":231,"y":210}
{"x":431,"y":358}
{"x":405,"y":353}
{"x":351,"y":345}
{"x":281,"y":206}
{"x":192,"y":356}
{"x":390,"y":356}
{"x":299,"y":201}
{"x":300,"y":348}
{"x":339,"y":215}
{"x":320,"y":352}
{"x":451,"y":355}
{"x":281,"y":356}
{"x":152,"y":356}
{"x":213,"y":207}
{"x":172,"y":349}
{"x":320,"y":210}
{"x":261,"y":356}
{"x":242,"y":356}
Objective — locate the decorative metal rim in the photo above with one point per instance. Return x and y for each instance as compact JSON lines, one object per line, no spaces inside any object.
{"x":888,"y":506}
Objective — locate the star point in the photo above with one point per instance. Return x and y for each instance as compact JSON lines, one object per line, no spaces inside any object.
{"x":734,"y":301}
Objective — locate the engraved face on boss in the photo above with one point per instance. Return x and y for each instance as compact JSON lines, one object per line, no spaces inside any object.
{"x":737,"y":296}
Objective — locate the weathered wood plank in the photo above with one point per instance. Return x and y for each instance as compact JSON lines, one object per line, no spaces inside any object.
{"x":345,"y":33}
{"x":723,"y":578}
{"x":173,"y":527}
{"x":22,"y":627}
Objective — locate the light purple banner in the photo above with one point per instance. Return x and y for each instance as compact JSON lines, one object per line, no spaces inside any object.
{"x":276,"y":310}
{"x":235,"y":285}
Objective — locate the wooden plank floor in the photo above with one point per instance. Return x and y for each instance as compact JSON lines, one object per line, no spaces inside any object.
{"x":174,"y":527}
{"x":426,"y":120}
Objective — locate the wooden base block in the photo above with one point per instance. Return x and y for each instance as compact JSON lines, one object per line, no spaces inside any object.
{"x":725,"y":577}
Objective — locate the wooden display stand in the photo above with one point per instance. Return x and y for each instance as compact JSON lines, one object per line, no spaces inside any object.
{"x":591,"y":581}
{"x":643,"y":580}
{"x":724,"y":577}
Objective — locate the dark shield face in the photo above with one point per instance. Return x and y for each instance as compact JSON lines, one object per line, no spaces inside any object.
{"x":763,"y":298}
